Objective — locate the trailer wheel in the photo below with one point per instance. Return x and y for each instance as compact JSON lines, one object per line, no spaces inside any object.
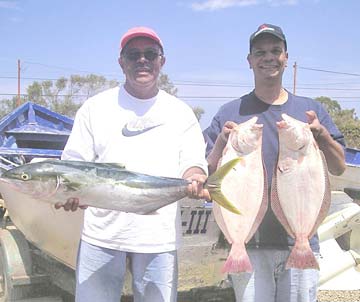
{"x":15,"y":265}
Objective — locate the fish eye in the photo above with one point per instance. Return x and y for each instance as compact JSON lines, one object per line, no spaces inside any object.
{"x":24,"y":176}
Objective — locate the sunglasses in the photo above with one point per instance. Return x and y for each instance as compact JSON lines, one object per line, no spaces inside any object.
{"x":150,"y":55}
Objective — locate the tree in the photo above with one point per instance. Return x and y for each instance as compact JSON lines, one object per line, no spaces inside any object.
{"x":65,"y":96}
{"x":7,"y":106}
{"x":346,"y":120}
{"x":198,"y":112}
{"x":332,"y":106}
{"x":165,"y":84}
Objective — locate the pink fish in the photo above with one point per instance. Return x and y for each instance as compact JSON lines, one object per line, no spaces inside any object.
{"x":300,"y":193}
{"x":245,"y":186}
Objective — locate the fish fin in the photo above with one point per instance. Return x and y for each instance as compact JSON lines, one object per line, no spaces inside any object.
{"x":115,"y":165}
{"x":238,"y":261}
{"x":263,"y":208}
{"x":213,"y":184}
{"x":276,"y":207}
{"x":69,"y":185}
{"x":326,"y":199}
{"x":153,"y":212}
{"x":302,"y":257}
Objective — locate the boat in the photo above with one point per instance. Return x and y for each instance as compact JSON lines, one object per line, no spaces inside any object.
{"x":340,"y":231}
{"x":32,"y":131}
{"x":29,"y":132}
{"x":351,"y":177}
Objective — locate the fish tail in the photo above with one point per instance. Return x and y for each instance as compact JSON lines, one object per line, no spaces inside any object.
{"x":302,"y":257}
{"x":238,"y":261}
{"x":213,"y":184}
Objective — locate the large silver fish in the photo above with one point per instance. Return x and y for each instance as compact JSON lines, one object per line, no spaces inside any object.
{"x":300,"y":189}
{"x":245,"y":187}
{"x":101,"y":185}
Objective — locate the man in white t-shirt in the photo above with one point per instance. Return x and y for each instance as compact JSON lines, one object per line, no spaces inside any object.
{"x":152,"y":132}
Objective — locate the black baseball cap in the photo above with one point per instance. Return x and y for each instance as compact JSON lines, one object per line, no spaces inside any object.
{"x":268,"y":29}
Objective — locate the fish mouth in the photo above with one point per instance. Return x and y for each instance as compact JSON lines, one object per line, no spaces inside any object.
{"x":12,"y":184}
{"x":21,"y":186}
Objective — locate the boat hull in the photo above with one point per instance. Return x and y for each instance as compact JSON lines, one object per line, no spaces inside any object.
{"x":349,"y":179}
{"x":54,"y":231}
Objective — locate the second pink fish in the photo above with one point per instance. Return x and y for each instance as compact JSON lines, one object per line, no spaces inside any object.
{"x":300,"y":193}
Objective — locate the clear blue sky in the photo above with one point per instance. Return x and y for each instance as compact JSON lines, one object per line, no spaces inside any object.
{"x":206,"y":44}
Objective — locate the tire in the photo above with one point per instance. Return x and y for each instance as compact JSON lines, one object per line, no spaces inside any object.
{"x":15,"y":262}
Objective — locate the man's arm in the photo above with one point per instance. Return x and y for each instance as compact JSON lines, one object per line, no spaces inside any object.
{"x":333,"y":151}
{"x":220,"y":143}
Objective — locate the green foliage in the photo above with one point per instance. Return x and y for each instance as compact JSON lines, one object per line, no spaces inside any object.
{"x":352,"y":135}
{"x":198,"y":112}
{"x":345,"y":119}
{"x":65,"y":96}
{"x":332,"y":106}
{"x":7,"y":106}
{"x":164,"y":83}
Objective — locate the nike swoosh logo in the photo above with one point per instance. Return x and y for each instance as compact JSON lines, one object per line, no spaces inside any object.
{"x":129,"y":133}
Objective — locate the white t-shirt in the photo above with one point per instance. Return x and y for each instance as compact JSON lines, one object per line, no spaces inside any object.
{"x":173,"y":144}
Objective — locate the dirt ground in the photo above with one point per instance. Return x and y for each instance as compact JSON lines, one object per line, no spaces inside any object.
{"x":339,"y":296}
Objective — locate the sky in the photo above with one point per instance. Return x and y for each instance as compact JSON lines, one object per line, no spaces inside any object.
{"x":205,"y":41}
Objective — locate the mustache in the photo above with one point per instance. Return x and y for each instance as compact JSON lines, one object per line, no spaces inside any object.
{"x":143,"y":65}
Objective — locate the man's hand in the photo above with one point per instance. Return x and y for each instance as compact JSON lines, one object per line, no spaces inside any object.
{"x":316,"y":128}
{"x":197,"y":177}
{"x":225,"y":131}
{"x":333,"y":151}
{"x":218,"y":148}
{"x":72,"y":204}
{"x":196,"y":188}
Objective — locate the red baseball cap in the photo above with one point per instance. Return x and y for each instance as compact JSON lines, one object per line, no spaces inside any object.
{"x":140,"y":31}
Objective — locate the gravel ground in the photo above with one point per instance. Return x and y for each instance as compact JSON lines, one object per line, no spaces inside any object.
{"x":339,"y":296}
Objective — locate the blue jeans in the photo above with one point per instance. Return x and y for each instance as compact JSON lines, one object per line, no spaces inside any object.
{"x":271,"y":282}
{"x":101,"y":272}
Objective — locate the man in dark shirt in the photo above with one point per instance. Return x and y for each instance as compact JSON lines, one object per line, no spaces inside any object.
{"x":270,"y":246}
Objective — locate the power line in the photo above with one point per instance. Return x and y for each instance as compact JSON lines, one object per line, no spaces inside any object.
{"x":47,"y":95}
{"x":70,"y":69}
{"x":329,"y":71}
{"x":201,"y":84}
{"x":56,"y":67}
{"x":25,"y":78}
{"x":222,"y":98}
{"x":187,"y":97}
{"x":319,"y":88}
{"x":301,"y":67}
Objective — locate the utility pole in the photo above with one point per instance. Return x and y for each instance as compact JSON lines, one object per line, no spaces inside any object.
{"x":295,"y":69}
{"x":18,"y":94}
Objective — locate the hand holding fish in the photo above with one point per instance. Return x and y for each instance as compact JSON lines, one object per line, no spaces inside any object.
{"x":71,"y":204}
{"x":316,"y":128}
{"x":196,"y":188}
{"x":220,"y":143}
{"x":333,"y":151}
{"x":228,"y":126}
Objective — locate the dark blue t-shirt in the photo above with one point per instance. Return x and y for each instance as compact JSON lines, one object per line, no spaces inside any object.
{"x":270,"y":234}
